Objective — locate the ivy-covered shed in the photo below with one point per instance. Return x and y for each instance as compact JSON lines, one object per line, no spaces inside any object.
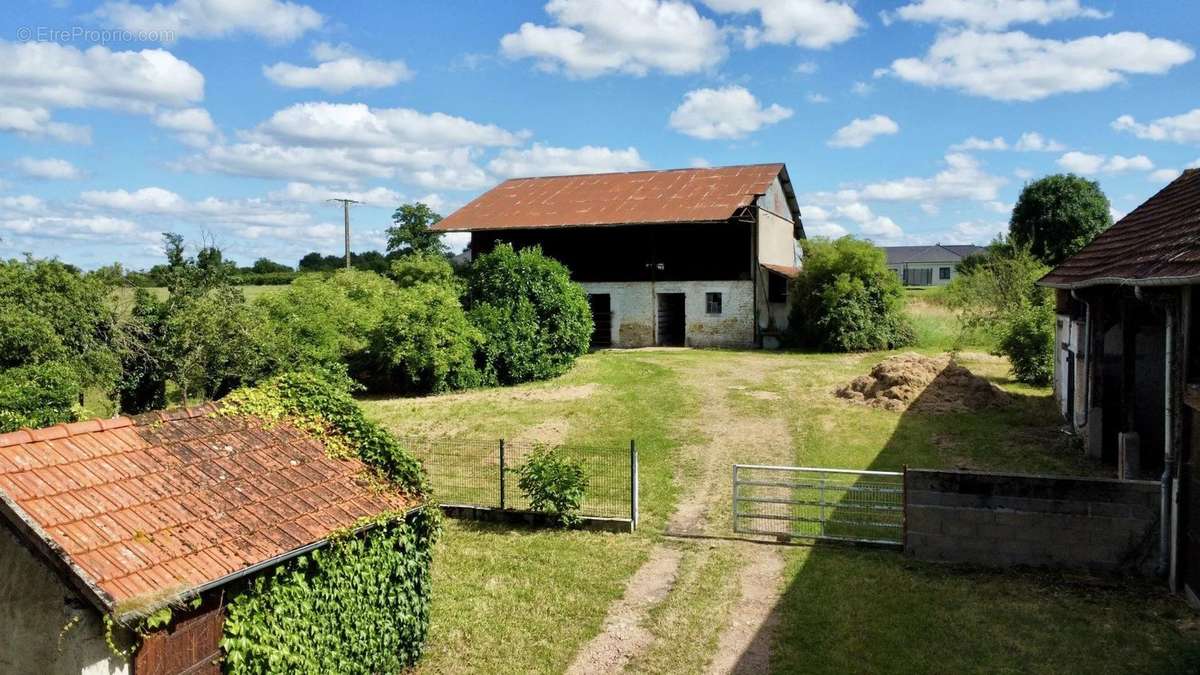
{"x":171,"y":541}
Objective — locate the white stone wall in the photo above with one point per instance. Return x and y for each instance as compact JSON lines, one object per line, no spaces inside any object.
{"x":35,"y":609}
{"x":634,"y":310}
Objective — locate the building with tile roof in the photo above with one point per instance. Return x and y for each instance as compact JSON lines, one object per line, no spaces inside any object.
{"x":1127,"y":359}
{"x":124,"y":515}
{"x":697,"y":257}
{"x":928,"y":265}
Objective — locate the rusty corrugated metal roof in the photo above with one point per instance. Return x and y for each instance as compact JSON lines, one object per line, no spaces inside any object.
{"x":164,"y":503}
{"x":789,"y":271}
{"x":639,"y":197}
{"x":1158,"y":243}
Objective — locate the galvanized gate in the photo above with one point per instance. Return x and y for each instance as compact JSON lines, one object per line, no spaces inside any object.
{"x":814,"y":503}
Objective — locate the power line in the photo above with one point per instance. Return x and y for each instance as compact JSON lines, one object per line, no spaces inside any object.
{"x":346,"y":217}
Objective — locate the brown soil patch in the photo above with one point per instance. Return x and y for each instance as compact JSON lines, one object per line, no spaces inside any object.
{"x":744,"y":645}
{"x":623,"y":635}
{"x":928,"y":384}
{"x":764,"y":395}
{"x":551,"y":432}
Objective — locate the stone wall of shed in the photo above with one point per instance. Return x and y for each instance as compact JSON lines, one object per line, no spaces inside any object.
{"x":44,"y":626}
{"x":633,"y":307}
{"x":1004,"y":520}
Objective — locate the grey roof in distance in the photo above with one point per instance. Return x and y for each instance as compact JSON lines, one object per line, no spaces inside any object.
{"x":929,"y":253}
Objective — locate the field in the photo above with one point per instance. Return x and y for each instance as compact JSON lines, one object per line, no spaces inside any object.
{"x":518,"y":600}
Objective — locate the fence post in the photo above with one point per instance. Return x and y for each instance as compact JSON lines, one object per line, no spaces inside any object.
{"x":502,"y":474}
{"x":633,"y":484}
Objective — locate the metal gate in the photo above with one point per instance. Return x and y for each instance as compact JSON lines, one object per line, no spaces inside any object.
{"x":813,"y":503}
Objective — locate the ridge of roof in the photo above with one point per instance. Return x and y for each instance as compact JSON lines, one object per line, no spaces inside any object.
{"x":682,"y":169}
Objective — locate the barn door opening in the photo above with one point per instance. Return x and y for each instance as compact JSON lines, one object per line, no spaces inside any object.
{"x":601,"y":304}
{"x":671,"y":320}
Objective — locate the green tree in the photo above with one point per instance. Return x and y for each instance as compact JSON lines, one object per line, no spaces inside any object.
{"x":1057,"y":215}
{"x":419,"y":268}
{"x":268,"y":266}
{"x":411,"y":231}
{"x":846,"y":299}
{"x":424,"y":342}
{"x":535,"y":320}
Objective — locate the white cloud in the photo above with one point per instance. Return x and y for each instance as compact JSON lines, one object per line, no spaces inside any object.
{"x":805,"y":68}
{"x":1023,"y":174}
{"x":35,"y":122}
{"x":313,"y":194}
{"x":544,"y":160}
{"x":1032,"y":141}
{"x":339,"y":69}
{"x":27,"y":203}
{"x":1088,"y":164}
{"x":48,"y":168}
{"x":276,"y":20}
{"x":71,"y":227}
{"x":818,"y":222}
{"x":862,"y":131}
{"x":992,"y":14}
{"x":1184,"y":128}
{"x":596,"y":37}
{"x":1017,"y":67}
{"x":872,"y":225}
{"x":815,"y":24}
{"x":814,"y":97}
{"x":192,"y":126}
{"x":999,"y":206}
{"x":979,"y":232}
{"x":1163,"y":175}
{"x":976,"y":143}
{"x":699,"y":163}
{"x":963,"y":179}
{"x":347,"y":143}
{"x":861,"y":88}
{"x":240,"y":215}
{"x":728,"y":112}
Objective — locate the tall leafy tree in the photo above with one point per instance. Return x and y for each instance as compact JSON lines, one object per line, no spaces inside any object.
{"x":411,"y":231}
{"x":1057,"y":215}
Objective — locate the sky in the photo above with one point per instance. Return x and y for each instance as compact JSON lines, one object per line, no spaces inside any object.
{"x":901,"y":121}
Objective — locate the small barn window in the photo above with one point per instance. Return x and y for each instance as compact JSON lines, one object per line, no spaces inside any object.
{"x":943,"y":272}
{"x":777,"y":288}
{"x":712,"y":303}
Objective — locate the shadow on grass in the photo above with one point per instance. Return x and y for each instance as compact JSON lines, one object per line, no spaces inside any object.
{"x":846,"y":609}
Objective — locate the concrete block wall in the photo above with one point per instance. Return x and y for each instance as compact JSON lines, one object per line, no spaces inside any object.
{"x":1009,"y":519}
{"x":633,"y":307}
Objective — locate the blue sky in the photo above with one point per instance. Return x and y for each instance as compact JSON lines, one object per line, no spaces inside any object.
{"x":906,"y":121}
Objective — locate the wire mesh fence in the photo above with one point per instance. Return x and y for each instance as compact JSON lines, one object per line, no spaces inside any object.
{"x":484,"y":473}
{"x":811,"y":503}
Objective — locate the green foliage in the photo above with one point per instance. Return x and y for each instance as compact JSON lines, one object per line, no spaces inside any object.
{"x":424,"y":342}
{"x":320,"y":403}
{"x":1057,"y":215}
{"x":999,"y":298}
{"x":143,"y":383}
{"x":535,"y":320}
{"x":411,"y":233}
{"x":268,"y":266}
{"x":361,"y":605}
{"x":364,"y":261}
{"x":554,"y":483}
{"x":846,"y":299}
{"x":27,"y":338}
{"x":418,"y":268}
{"x":38,"y":395}
{"x":210,"y":344}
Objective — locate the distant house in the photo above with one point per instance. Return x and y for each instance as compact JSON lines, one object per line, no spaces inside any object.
{"x":927,"y":265}
{"x":1127,"y":363}
{"x":697,"y":257}
{"x":120,"y":517}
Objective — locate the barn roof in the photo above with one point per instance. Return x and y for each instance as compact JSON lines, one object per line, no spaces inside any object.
{"x":1158,"y":243}
{"x":899,"y":255}
{"x":138,"y":511}
{"x":639,"y":197}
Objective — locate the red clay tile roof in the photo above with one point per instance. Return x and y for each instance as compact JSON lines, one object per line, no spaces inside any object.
{"x":639,"y":197}
{"x":1157,"y":243}
{"x":170,"y":502}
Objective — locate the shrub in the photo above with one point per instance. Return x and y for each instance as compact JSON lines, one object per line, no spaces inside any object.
{"x":417,"y":268}
{"x":38,"y":395}
{"x":210,"y":344}
{"x":535,"y":320}
{"x":554,"y":484}
{"x":846,"y":299}
{"x":143,"y":383}
{"x":424,"y":342}
{"x":26,"y":338}
{"x":1028,"y":342}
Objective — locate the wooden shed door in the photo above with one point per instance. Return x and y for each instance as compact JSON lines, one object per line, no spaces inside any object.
{"x":671,"y":319}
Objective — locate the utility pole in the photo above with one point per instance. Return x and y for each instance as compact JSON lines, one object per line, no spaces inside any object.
{"x":346,"y":217}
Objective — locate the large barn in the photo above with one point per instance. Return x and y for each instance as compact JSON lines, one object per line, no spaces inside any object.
{"x":686,"y":257}
{"x":1127,"y":372}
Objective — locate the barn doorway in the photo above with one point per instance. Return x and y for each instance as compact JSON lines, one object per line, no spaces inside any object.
{"x":671,"y":320}
{"x":601,"y":304}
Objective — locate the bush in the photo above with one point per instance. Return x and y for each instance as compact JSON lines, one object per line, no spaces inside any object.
{"x":1028,"y":342}
{"x":424,"y":342}
{"x":535,"y":320}
{"x":417,"y":268}
{"x":26,"y":339}
{"x":554,"y":484}
{"x":846,"y":299}
{"x":210,"y":344}
{"x":38,"y":395}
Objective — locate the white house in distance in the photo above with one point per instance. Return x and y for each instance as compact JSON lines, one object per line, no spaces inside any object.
{"x":930,"y":265}
{"x":695,"y":257}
